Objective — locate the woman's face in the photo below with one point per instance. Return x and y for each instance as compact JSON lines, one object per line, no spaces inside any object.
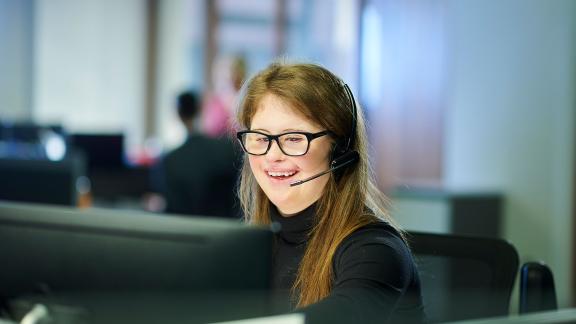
{"x":273,"y":116}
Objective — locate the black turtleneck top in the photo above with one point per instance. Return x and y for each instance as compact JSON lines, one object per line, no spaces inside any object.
{"x":375,"y":278}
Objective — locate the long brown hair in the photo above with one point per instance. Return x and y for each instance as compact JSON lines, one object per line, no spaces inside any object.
{"x":348,"y":202}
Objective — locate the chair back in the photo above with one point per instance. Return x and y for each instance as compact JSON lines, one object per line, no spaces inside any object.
{"x":464,"y":277}
{"x":537,"y":289}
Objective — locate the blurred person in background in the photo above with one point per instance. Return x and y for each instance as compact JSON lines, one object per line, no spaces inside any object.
{"x":199,"y":177}
{"x":228,"y":75}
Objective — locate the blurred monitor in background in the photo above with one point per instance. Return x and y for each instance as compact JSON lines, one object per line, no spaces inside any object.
{"x":35,"y":165}
{"x":199,"y":177}
{"x":32,"y":141}
{"x":42,"y":180}
{"x":112,"y":179}
{"x":102,"y":151}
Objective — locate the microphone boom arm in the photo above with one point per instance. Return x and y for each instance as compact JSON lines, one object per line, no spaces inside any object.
{"x":354,"y":157}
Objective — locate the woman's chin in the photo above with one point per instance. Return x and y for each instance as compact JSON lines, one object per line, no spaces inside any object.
{"x":282,"y":202}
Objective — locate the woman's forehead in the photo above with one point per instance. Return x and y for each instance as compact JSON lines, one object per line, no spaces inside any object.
{"x":272,"y":111}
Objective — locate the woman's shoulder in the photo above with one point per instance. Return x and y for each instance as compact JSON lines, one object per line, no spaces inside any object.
{"x":377,"y":239}
{"x":376,"y":253}
{"x":378,"y":232}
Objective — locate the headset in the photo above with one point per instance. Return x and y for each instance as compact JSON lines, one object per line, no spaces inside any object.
{"x":342,"y":153}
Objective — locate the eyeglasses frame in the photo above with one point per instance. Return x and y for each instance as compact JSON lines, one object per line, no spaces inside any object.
{"x":309,"y":136}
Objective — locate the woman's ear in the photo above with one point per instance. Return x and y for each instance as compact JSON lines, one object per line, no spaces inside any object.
{"x":338,"y":149}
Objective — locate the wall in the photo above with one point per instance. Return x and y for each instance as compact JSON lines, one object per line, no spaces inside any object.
{"x":403,"y":90}
{"x":180,"y":36}
{"x":510,"y":119}
{"x":89,"y":65}
{"x":16,"y":51}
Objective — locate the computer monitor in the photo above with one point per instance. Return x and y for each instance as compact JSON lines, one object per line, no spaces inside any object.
{"x":29,"y":140}
{"x":51,"y":252}
{"x":41,"y":181}
{"x":102,"y":151}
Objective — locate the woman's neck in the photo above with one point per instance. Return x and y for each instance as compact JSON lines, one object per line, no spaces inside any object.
{"x":290,"y":212}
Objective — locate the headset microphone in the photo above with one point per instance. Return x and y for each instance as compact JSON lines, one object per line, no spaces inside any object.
{"x":343,"y":160}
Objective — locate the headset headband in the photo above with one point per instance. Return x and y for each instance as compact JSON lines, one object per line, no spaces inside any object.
{"x":350,"y":140}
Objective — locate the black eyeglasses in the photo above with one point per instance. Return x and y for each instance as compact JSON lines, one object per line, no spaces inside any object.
{"x":291,"y":143}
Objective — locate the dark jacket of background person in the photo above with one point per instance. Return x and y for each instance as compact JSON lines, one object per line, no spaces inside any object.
{"x":199,"y":177}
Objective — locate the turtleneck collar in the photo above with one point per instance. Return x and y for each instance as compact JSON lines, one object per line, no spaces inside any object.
{"x":294,"y":229}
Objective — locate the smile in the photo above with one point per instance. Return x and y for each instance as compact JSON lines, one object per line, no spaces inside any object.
{"x":281,"y":175}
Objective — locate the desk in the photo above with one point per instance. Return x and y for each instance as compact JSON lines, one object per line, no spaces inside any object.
{"x":567,"y":315}
{"x":153,"y":307}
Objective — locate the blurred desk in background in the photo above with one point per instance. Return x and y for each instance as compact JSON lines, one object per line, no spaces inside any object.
{"x":477,"y":213}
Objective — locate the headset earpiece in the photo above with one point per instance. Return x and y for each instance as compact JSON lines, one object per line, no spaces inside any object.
{"x":347,"y":158}
{"x":338,"y":149}
{"x":343,"y":153}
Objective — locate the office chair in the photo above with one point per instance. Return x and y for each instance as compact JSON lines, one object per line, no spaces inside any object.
{"x":537,"y":289}
{"x":464,"y":277}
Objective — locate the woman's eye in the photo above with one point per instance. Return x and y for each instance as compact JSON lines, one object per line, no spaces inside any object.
{"x":294,"y":139}
{"x":263,"y":139}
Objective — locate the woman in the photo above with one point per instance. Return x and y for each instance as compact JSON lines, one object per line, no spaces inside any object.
{"x":337,"y":252}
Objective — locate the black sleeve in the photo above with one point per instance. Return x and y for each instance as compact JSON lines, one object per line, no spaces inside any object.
{"x":372,"y":271}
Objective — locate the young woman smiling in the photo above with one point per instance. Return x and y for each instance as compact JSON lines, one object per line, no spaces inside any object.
{"x":338,"y":252}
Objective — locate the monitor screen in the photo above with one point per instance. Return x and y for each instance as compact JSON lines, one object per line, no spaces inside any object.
{"x":59,"y":251}
{"x":102,"y":151}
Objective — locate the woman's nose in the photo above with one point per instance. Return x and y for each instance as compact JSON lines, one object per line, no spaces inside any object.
{"x":275,"y":153}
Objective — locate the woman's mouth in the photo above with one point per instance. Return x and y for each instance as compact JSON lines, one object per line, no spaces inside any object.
{"x":281,"y":175}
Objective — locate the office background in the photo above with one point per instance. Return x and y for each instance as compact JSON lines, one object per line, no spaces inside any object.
{"x":462,"y":95}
